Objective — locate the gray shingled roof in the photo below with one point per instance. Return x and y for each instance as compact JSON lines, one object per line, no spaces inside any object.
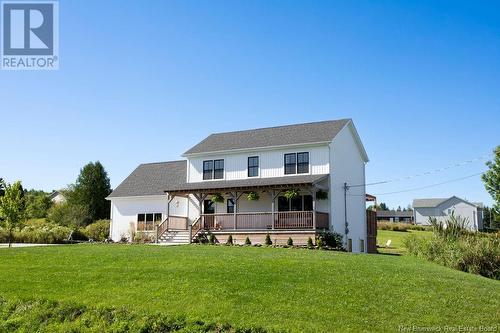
{"x":271,"y":136}
{"x":158,"y":178}
{"x":287,"y":181}
{"x":428,"y":203}
{"x":152,"y":179}
{"x":394,"y":213}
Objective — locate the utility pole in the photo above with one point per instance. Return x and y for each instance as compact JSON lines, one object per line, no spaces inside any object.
{"x":345,"y":211}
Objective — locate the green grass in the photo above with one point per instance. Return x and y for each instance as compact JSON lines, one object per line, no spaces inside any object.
{"x":397,"y":240}
{"x":294,"y":289}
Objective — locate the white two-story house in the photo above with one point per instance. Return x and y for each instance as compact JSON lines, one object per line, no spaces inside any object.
{"x":287,"y":181}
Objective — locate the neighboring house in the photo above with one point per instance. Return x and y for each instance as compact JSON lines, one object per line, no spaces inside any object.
{"x":57,"y":197}
{"x":172,"y":200}
{"x":395,"y":216}
{"x":442,"y":208}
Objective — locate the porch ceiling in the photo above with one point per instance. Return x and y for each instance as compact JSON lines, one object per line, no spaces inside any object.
{"x":248,"y":184}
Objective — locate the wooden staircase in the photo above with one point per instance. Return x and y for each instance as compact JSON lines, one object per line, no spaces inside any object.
{"x":174,"y":233}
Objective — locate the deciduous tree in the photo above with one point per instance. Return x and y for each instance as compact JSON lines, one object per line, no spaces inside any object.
{"x":12,"y":207}
{"x":91,"y":188}
{"x":491,"y":180}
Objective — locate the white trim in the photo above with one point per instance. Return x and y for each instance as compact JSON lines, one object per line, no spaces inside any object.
{"x":354,"y":132}
{"x":242,"y":150}
{"x":137,"y":197}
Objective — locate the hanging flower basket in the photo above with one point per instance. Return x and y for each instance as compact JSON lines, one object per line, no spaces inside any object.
{"x":253,"y":196}
{"x":321,"y":195}
{"x":291,"y":194}
{"x":217,"y":197}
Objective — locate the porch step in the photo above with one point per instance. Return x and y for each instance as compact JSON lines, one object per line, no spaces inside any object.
{"x":175,"y":237}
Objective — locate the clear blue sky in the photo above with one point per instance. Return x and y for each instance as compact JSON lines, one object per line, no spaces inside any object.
{"x":144,"y":81}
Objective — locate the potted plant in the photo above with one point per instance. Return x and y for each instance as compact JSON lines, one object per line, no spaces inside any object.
{"x":290,"y":194}
{"x":217,"y":198}
{"x":253,"y":196}
{"x":321,"y":195}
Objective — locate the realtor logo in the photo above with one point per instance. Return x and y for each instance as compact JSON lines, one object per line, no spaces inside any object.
{"x":29,"y":35}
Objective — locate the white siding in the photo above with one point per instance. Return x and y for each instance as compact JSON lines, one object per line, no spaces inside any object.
{"x":271,"y":163}
{"x":124,"y":212}
{"x":443,"y":211}
{"x":347,"y":165}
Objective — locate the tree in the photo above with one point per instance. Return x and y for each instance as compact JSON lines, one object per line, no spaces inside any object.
{"x":37,"y":204}
{"x":90,"y":191}
{"x":382,"y":206}
{"x":491,"y":180}
{"x":12,"y":207}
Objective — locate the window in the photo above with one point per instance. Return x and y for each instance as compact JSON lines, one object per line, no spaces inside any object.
{"x":218,"y":169}
{"x":296,"y":163}
{"x":208,"y":207}
{"x":208,"y":167}
{"x":283,"y":204}
{"x":296,"y":204}
{"x":299,"y":203}
{"x":230,"y":205}
{"x":147,"y":222}
{"x":253,"y":166}
{"x":213,"y":169}
{"x":302,"y":162}
{"x":290,"y":164}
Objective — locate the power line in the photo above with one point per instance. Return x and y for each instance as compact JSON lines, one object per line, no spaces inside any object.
{"x":432,"y":185}
{"x":427,"y":173}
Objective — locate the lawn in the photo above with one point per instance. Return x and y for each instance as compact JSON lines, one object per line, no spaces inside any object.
{"x":396,"y":238}
{"x":295,"y":289}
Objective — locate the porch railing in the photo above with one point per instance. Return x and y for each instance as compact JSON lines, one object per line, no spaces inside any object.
{"x":264,"y":221}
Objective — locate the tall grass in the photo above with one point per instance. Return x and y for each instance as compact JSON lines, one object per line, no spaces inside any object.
{"x":51,"y":316}
{"x":396,"y":226}
{"x":452,"y":245}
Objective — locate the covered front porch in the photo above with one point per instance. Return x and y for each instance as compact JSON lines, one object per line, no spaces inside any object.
{"x":260,"y":208}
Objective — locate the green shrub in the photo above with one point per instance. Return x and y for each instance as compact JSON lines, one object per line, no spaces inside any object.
{"x":397,"y":226}
{"x":69,"y":215}
{"x":331,"y":239}
{"x":41,"y":233}
{"x":229,"y":240}
{"x":144,"y":237}
{"x":247,"y":241}
{"x":289,"y":242}
{"x":212,"y":239}
{"x":319,"y":243}
{"x":98,"y":231}
{"x":201,"y":238}
{"x":268,"y":240}
{"x":310,"y":243}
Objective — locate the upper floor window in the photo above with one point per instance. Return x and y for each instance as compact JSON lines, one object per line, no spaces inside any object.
{"x":290,"y":164}
{"x":213,"y":169}
{"x":208,"y":169}
{"x":302,"y":162}
{"x":218,"y":169}
{"x":296,"y":163}
{"x":253,"y":166}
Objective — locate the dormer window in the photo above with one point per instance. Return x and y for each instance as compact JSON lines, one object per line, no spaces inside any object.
{"x":213,"y":169}
{"x":296,"y":163}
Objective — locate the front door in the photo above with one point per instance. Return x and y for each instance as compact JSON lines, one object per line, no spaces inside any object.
{"x":208,"y":208}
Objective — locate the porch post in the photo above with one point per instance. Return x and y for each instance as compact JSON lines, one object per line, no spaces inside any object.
{"x":169,"y":199}
{"x":314,"y":209}
{"x":272,"y":209}
{"x":235,"y":217}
